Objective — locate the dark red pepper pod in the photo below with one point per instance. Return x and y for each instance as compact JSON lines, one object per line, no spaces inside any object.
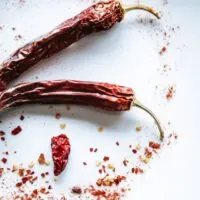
{"x":60,"y":146}
{"x":107,"y":96}
{"x":99,"y":17}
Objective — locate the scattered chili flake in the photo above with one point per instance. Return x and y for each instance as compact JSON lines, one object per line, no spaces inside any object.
{"x":3,"y":139}
{"x":42,"y":190}
{"x":95,"y":150}
{"x":170,"y":93}
{"x":50,"y":187}
{"x":106,"y":158}
{"x":137,"y":170}
{"x":154,"y":145}
{"x":2,"y":133}
{"x":117,"y":143}
{"x":22,"y":117}
{"x":76,"y":190}
{"x":16,"y":130}
{"x":163,"y":50}
{"x":25,"y":179}
{"x":42,"y":160}
{"x":58,"y":116}
{"x":21,"y":172}
{"x":148,"y":153}
{"x":100,"y":129}
{"x":91,"y":149}
{"x":19,"y":184}
{"x":134,"y":151}
{"x":4,"y":160}
{"x":125,"y":162}
{"x":84,"y":163}
{"x":1,"y":171}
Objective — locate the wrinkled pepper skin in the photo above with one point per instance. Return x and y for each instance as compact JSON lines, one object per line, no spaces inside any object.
{"x":107,"y":96}
{"x":60,"y":147}
{"x":99,"y":17}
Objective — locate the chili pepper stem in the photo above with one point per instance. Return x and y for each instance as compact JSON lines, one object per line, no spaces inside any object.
{"x":139,"y":105}
{"x":128,"y":8}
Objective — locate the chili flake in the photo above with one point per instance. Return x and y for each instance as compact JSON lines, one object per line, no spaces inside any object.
{"x":106,"y":158}
{"x":154,"y":145}
{"x":16,"y":130}
{"x":4,"y":160}
{"x":42,"y":160}
{"x":76,"y":190}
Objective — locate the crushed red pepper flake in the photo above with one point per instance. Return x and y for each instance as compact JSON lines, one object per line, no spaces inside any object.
{"x":84,"y":163}
{"x":137,"y":170}
{"x":4,"y":160}
{"x":76,"y":190}
{"x":125,"y":162}
{"x":2,"y":133}
{"x":106,"y":158}
{"x":134,"y":151}
{"x":117,"y":143}
{"x":154,"y":145}
{"x":163,"y":50}
{"x":16,"y":130}
{"x":19,"y":184}
{"x":42,"y":160}
{"x":58,"y":116}
{"x":22,"y":117}
{"x":170,"y":93}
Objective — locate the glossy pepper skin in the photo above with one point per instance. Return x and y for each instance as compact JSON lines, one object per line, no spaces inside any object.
{"x":99,"y":17}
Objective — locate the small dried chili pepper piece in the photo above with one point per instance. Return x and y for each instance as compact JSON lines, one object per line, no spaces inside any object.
{"x":60,"y":146}
{"x":107,"y":96}
{"x":98,"y":17}
{"x":16,"y":130}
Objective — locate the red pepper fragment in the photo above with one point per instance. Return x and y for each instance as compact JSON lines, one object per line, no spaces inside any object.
{"x":60,"y":146}
{"x":16,"y":130}
{"x":2,"y":133}
{"x":154,"y":145}
{"x":4,"y":160}
{"x":106,"y":158}
{"x":76,"y":190}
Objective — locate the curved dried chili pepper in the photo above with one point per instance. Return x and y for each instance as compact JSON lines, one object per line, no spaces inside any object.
{"x":99,"y":17}
{"x":60,"y":147}
{"x":107,"y":96}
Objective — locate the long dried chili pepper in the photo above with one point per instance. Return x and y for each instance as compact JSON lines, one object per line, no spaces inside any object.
{"x":99,"y":17}
{"x":107,"y":96}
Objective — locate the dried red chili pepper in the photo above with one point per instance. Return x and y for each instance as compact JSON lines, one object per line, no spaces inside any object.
{"x":60,"y":153}
{"x":99,"y":17}
{"x":107,"y":96}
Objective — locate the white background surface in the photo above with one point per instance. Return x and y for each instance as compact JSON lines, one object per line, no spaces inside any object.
{"x":126,"y":55}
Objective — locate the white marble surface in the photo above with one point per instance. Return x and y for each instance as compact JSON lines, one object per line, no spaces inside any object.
{"x":126,"y":55}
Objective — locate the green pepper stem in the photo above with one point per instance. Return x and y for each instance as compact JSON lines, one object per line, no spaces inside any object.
{"x":128,"y":8}
{"x":139,"y":105}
